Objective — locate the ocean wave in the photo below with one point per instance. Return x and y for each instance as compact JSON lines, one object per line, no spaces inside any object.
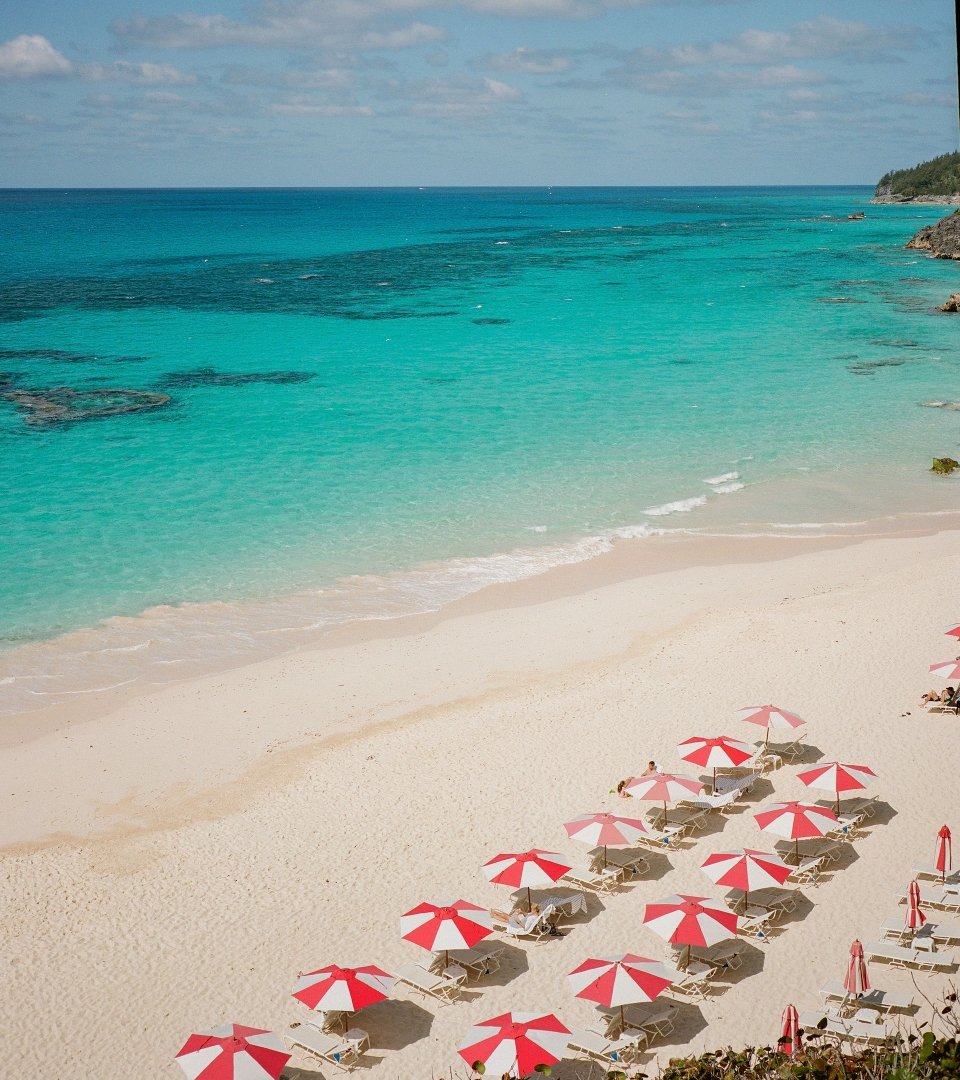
{"x":724,"y":478}
{"x":680,"y":506}
{"x":728,"y":489}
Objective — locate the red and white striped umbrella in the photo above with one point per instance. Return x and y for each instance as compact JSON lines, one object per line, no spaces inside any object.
{"x":944,"y":857}
{"x":771,"y":717}
{"x":526,"y":868}
{"x":746,"y":869}
{"x":620,"y":980}
{"x":663,"y":788}
{"x":797,"y":821}
{"x":946,"y":669}
{"x":514,"y":1044}
{"x":436,"y":927}
{"x":339,"y":989}
{"x":915,"y":917}
{"x":717,"y":753}
{"x":691,"y":920}
{"x":233,"y":1052}
{"x":953,"y":630}
{"x":856,"y":981}
{"x":606,"y":830}
{"x":838,"y":778}
{"x":791,"y":1038}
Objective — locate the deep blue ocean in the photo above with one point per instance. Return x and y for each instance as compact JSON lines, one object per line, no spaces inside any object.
{"x":372,"y":400}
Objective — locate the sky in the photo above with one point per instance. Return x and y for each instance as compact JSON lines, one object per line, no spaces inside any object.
{"x":198,"y":93}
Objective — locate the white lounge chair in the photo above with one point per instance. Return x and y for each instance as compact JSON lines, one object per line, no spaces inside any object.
{"x":826,"y":849}
{"x":725,"y":956}
{"x":723,"y":802}
{"x":600,"y":881}
{"x":842,"y":1028}
{"x":791,"y":750}
{"x":631,"y":863}
{"x":898,"y":956}
{"x":482,"y":959}
{"x":881,"y":1000}
{"x":770,"y":899}
{"x":935,"y":896}
{"x":928,"y":870}
{"x":757,"y":924}
{"x":808,"y":871}
{"x":425,"y":983}
{"x":535,"y":926}
{"x":692,"y":983}
{"x":330,"y":1049}
{"x":590,"y":1044}
{"x":941,"y":933}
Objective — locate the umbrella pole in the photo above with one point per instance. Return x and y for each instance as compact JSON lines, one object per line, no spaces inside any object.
{"x":623,"y":1022}
{"x":604,"y":856}
{"x":529,"y":901}
{"x":666,"y":820}
{"x":797,"y":848}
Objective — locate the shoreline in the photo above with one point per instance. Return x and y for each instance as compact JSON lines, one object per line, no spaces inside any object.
{"x":302,"y":803}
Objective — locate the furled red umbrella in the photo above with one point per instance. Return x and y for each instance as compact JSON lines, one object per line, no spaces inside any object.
{"x":717,"y":753}
{"x":606,"y":830}
{"x":944,"y":858}
{"x":339,"y":989}
{"x":525,"y":869}
{"x":663,"y":788}
{"x":620,"y":980}
{"x":791,"y":1038}
{"x":838,"y":778}
{"x":797,"y":821}
{"x":514,"y":1044}
{"x":233,"y":1052}
{"x":856,"y":981}
{"x":915,"y":918}
{"x":946,"y":669}
{"x":691,"y":920}
{"x":457,"y":925}
{"x":771,"y":717}
{"x":953,"y":630}
{"x":746,"y":869}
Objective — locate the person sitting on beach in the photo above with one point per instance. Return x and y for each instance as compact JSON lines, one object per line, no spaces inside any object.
{"x":946,"y":697}
{"x":651,"y":770}
{"x":622,"y":787}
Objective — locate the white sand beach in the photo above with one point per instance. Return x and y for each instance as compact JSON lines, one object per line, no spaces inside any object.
{"x":173,"y":863}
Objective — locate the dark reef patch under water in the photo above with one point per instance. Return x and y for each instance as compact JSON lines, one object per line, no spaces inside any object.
{"x":208,"y":376}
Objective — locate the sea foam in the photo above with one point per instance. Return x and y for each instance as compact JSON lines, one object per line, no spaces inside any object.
{"x":680,"y":506}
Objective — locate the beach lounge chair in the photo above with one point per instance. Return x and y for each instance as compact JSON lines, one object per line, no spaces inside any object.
{"x":844,"y":1029}
{"x":941,"y":933}
{"x":330,"y":1049}
{"x":723,"y":802}
{"x":665,"y":836}
{"x":688,"y":819}
{"x":724,"y":956}
{"x":632,"y":863}
{"x":757,"y":924}
{"x":881,"y":1000}
{"x":597,"y":1047}
{"x":329,"y":1021}
{"x":828,"y":850}
{"x":600,"y":881}
{"x":902,"y":957}
{"x":866,"y":805}
{"x":482,"y":959}
{"x":692,"y":983}
{"x":936,"y":896}
{"x":928,"y":870}
{"x":771,"y":899}
{"x":535,"y":926}
{"x":791,"y":750}
{"x":440,"y":987}
{"x":808,"y":871}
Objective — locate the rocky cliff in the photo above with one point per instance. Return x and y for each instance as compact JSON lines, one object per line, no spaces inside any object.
{"x":941,"y":240}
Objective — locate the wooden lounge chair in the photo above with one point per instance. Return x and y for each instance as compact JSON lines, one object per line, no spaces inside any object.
{"x":881,"y":1000}
{"x":600,"y":881}
{"x":941,"y":933}
{"x":482,"y":959}
{"x":898,"y":956}
{"x":330,"y":1049}
{"x":427,"y":984}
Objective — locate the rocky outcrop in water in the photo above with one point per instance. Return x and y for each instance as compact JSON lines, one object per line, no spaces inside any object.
{"x":943,"y":466}
{"x":62,"y":404}
{"x":941,"y":240}
{"x":953,"y":406}
{"x":952,"y":303}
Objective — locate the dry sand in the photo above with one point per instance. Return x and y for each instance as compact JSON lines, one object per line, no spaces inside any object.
{"x":174,"y":863}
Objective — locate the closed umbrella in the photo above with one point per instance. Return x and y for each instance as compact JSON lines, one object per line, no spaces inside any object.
{"x":791,"y":1038}
{"x":525,"y":869}
{"x":233,"y":1052}
{"x":514,"y":1044}
{"x":856,"y":981}
{"x":691,"y":920}
{"x":606,"y":830}
{"x":944,"y":857}
{"x":915,"y":918}
{"x":619,"y":981}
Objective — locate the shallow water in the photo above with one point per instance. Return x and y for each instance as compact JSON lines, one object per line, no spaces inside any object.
{"x":368,"y":383}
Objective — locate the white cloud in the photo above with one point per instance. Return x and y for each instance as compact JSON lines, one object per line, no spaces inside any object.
{"x":528,"y":61}
{"x":305,"y":107}
{"x":143,"y":74}
{"x":31,"y":56}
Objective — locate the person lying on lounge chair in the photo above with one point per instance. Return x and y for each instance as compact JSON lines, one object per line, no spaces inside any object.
{"x":946,"y":697}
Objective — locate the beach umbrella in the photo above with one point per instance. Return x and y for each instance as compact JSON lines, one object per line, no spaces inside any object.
{"x":233,"y":1052}
{"x":435,"y":927}
{"x":606,"y":830}
{"x":339,"y":989}
{"x":619,"y":981}
{"x":837,"y":778}
{"x":718,"y":753}
{"x":796,"y":821}
{"x":944,"y":857}
{"x":953,"y":630}
{"x":514,"y":1044}
{"x":771,"y":717}
{"x":746,"y":869}
{"x":856,"y":981}
{"x":691,"y":920}
{"x":663,"y":788}
{"x":946,"y":669}
{"x":791,"y":1038}
{"x":525,"y":869}
{"x":915,"y":918}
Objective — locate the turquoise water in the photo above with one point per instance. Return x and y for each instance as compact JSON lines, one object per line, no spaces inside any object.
{"x":368,"y":382}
